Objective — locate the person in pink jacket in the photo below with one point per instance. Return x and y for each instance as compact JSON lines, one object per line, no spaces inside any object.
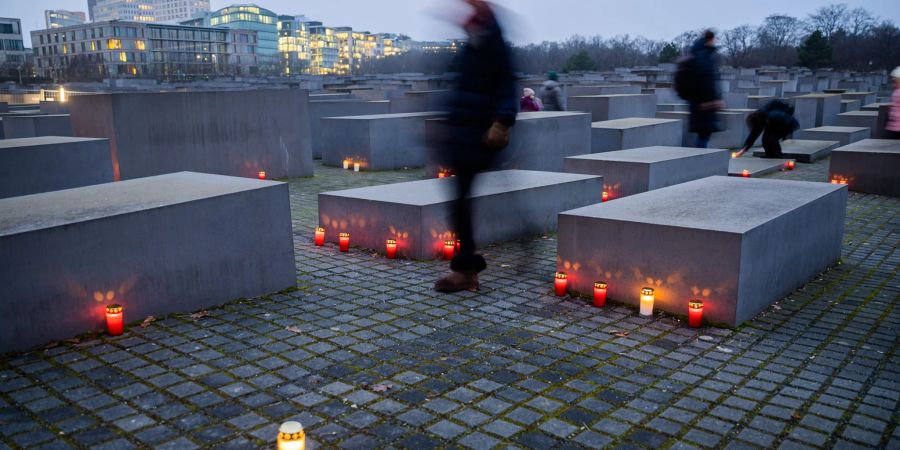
{"x":528,"y":102}
{"x":893,"y":122}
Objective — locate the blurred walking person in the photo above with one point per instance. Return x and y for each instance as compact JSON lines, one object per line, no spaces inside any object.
{"x":551,"y":94}
{"x":893,"y":123}
{"x":775,"y":122}
{"x":528,"y":102}
{"x":697,"y":81}
{"x":481,"y":111}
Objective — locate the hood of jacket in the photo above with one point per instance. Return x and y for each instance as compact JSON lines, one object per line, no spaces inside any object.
{"x":700,"y":47}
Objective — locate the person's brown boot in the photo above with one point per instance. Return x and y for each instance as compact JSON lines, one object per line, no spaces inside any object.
{"x":457,"y":281}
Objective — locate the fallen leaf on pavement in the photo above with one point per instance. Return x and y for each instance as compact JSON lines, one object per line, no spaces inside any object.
{"x":146,"y":323}
{"x":381,"y":387}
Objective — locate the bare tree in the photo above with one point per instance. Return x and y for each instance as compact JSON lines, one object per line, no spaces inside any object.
{"x":738,"y":44}
{"x":828,"y":19}
{"x":859,"y":22}
{"x":779,"y":31}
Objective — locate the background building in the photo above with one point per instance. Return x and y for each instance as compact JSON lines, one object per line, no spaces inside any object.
{"x":252,"y":18}
{"x":12,"y":49}
{"x":91,"y":5}
{"x":135,"y":49}
{"x":293,"y":44}
{"x":323,"y":49}
{"x":170,"y":11}
{"x":61,"y":18}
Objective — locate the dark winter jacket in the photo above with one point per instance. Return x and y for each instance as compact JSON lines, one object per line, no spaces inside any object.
{"x":775,"y":116}
{"x":551,"y":96}
{"x":486,"y":88}
{"x":706,"y":83}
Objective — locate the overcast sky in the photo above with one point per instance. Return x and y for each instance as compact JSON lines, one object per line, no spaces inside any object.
{"x":532,"y":20}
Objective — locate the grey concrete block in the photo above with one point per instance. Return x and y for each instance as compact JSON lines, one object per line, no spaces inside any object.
{"x":860,"y":119}
{"x":758,"y":101}
{"x":754,"y":167}
{"x":736,"y":244}
{"x":844,"y":135}
{"x":880,"y":131}
{"x":4,"y":107}
{"x":507,"y":204}
{"x":671,"y":107}
{"x":620,"y":134}
{"x":337,"y":108}
{"x":731,"y":136}
{"x":580,"y":90}
{"x":850,"y":105}
{"x":377,"y":142}
{"x":42,"y":164}
{"x":636,"y":170}
{"x":864,"y":98}
{"x":873,"y":106}
{"x":736,"y":100}
{"x":538,"y":141}
{"x":54,"y":107}
{"x":619,"y":106}
{"x":870,"y":165}
{"x":171,"y":243}
{"x":828,"y":106}
{"x":225,"y":132}
{"x":804,"y":151}
{"x":420,"y":101}
{"x":35,"y":126}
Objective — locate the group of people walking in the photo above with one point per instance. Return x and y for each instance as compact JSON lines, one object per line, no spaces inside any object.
{"x":483,"y":109}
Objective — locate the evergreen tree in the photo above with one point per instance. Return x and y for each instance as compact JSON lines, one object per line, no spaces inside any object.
{"x":815,"y":52}
{"x":580,"y":61}
{"x":669,"y":53}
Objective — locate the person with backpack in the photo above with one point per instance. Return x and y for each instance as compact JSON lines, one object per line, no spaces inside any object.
{"x":551,"y":94}
{"x":697,"y":81}
{"x":775,"y":121}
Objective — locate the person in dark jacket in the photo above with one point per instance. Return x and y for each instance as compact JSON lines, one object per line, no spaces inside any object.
{"x":707,"y":99}
{"x":551,"y":94}
{"x":481,"y":111}
{"x":775,"y":121}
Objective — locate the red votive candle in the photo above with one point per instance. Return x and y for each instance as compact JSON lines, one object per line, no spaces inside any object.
{"x":561,"y":284}
{"x":442,"y":174}
{"x":604,"y":197}
{"x":695,"y":313}
{"x":449,"y":249}
{"x":790,"y":164}
{"x":115,"y":319}
{"x":391,"y":248}
{"x":344,"y":241}
{"x":600,"y":294}
{"x":262,"y":175}
{"x":745,"y":173}
{"x":320,"y":237}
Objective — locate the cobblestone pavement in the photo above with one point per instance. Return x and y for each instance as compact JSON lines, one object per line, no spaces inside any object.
{"x":365,"y":355}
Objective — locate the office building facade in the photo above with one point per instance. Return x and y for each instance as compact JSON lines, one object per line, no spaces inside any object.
{"x":12,"y":48}
{"x":60,"y":18}
{"x":134,"y":49}
{"x":165,"y":11}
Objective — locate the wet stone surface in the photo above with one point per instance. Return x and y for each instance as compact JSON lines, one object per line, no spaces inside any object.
{"x":365,"y":355}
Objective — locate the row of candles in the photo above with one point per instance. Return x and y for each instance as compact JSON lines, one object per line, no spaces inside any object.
{"x":390,"y":245}
{"x":695,"y":307}
{"x":349,"y":162}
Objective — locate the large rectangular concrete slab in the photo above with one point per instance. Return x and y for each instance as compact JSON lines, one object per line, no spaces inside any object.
{"x":616,"y":106}
{"x":754,"y":167}
{"x":632,"y":171}
{"x":337,"y":108}
{"x":16,"y":127}
{"x":828,"y":106}
{"x":635,"y":132}
{"x":736,"y":244}
{"x":171,"y":243}
{"x":376,"y":142}
{"x":805,"y":151}
{"x":844,"y":135}
{"x":859,"y":119}
{"x":871,"y":166}
{"x":235,"y":133}
{"x":507,"y":204}
{"x":538,"y":141}
{"x":42,"y":164}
